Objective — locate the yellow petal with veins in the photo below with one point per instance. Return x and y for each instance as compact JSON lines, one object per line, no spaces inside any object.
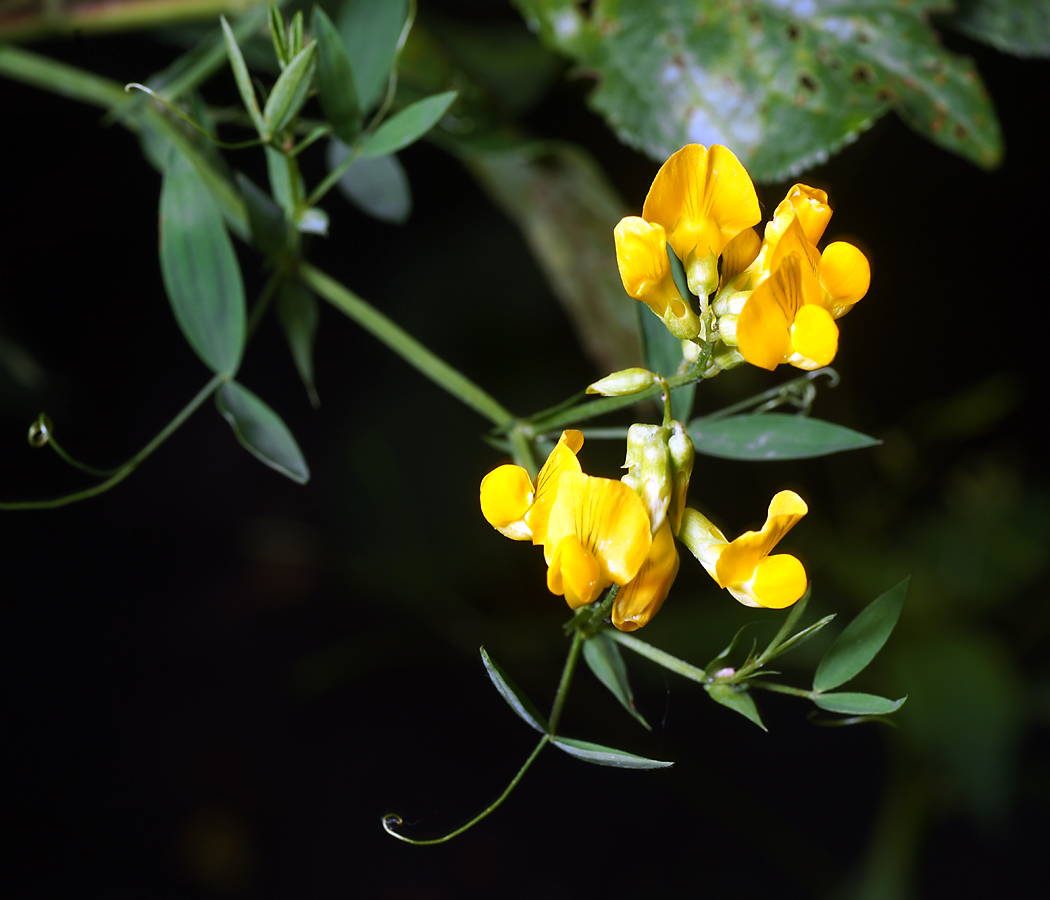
{"x":810,"y":204}
{"x":738,"y":561}
{"x":506,"y":493}
{"x":763,"y":330}
{"x":845,"y":275}
{"x":575,"y":573}
{"x":739,"y":253}
{"x":815,"y":335}
{"x":642,"y":597}
{"x":562,"y":459}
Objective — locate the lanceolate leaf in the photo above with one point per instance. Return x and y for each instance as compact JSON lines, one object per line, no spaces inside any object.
{"x":773,"y":436}
{"x":200,"y":269}
{"x":607,"y":756}
{"x":514,"y":696}
{"x":335,"y":79}
{"x":781,"y":84}
{"x":298,"y":314}
{"x":858,"y":704}
{"x":370,"y":31}
{"x":860,"y":640}
{"x":604,"y":659}
{"x":736,"y":700}
{"x":408,"y":126}
{"x":289,"y":93}
{"x":241,"y":76}
{"x":261,"y":431}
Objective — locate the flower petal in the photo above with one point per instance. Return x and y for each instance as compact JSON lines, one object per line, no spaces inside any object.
{"x":737,"y":562}
{"x":608,"y":518}
{"x":778,"y":582}
{"x":763,"y":330}
{"x":810,"y":204}
{"x":739,"y":253}
{"x":506,"y":493}
{"x":814,"y":335}
{"x":845,"y":275}
{"x":562,"y":459}
{"x":575,"y":573}
{"x":642,"y":597}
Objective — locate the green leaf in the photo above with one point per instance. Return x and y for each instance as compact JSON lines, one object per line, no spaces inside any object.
{"x":295,"y":33}
{"x":514,"y":696}
{"x":783,"y":85}
{"x":720,"y":660}
{"x":286,"y":183}
{"x":860,"y":640}
{"x":408,"y":126}
{"x":604,"y":659}
{"x":335,"y":79}
{"x":261,"y":431}
{"x":377,"y":186}
{"x":277,"y":35}
{"x":243,"y":79}
{"x":804,"y":635}
{"x":736,"y":700}
{"x":1021,"y":27}
{"x":662,"y":353}
{"x":265,"y":218}
{"x":607,"y":756}
{"x":289,"y":93}
{"x":851,"y":704}
{"x":370,"y":31}
{"x":773,"y":436}
{"x":200,"y":269}
{"x":297,"y":310}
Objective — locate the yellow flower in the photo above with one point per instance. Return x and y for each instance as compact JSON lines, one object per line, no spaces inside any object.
{"x":699,"y":201}
{"x":744,"y":566}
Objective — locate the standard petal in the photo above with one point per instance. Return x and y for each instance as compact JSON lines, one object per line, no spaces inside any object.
{"x":778,"y":582}
{"x":575,"y":573}
{"x":814,"y":335}
{"x":845,"y":275}
{"x":763,"y":330}
{"x":562,"y":459}
{"x":506,"y":493}
{"x":736,"y":565}
{"x":644,"y":594}
{"x":810,"y":204}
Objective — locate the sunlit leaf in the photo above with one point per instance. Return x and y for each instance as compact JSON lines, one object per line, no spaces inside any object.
{"x":261,"y":431}
{"x":335,"y":79}
{"x":370,"y":31}
{"x":297,"y":310}
{"x":377,"y":185}
{"x":200,"y":268}
{"x":514,"y":696}
{"x":736,"y":700}
{"x":851,"y":704}
{"x":773,"y":436}
{"x":408,"y":125}
{"x":604,"y":659}
{"x":861,"y":639}
{"x":607,"y":756}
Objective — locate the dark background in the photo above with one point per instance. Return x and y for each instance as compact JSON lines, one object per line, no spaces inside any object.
{"x":217,"y":681}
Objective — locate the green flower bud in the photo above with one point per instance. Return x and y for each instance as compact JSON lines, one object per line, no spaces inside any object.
{"x":626,"y":381}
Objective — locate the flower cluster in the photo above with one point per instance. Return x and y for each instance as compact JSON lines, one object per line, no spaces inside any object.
{"x":775,"y":298}
{"x":597,"y":532}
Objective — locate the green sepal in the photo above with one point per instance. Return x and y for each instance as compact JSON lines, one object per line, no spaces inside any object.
{"x":735,"y":699}
{"x":408,"y":126}
{"x":290,"y":91}
{"x":261,"y":431}
{"x":773,"y":436}
{"x":514,"y":696}
{"x":370,"y":31}
{"x":265,"y":218}
{"x":243,"y":79}
{"x":607,"y":756}
{"x":861,"y":639}
{"x":335,"y":79}
{"x":298,"y":313}
{"x":201,"y":273}
{"x":853,"y":704}
{"x":604,"y":659}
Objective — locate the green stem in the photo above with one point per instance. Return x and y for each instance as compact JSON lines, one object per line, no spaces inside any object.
{"x":391,"y":821}
{"x":330,"y":180}
{"x":781,"y":689}
{"x":597,"y":617}
{"x":693,"y":673}
{"x":521,"y":444}
{"x":566,"y":679}
{"x":125,"y":470}
{"x":77,"y":464}
{"x":404,"y":345}
{"x":780,"y":391}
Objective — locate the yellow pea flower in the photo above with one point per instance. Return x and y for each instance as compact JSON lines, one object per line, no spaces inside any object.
{"x":516,"y":507}
{"x":642,"y":597}
{"x":699,"y":201}
{"x":744,"y":566}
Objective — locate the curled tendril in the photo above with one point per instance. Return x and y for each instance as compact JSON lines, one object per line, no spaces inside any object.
{"x":40,"y":431}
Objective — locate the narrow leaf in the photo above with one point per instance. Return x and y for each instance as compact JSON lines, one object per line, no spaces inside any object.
{"x":607,"y":756}
{"x":860,"y":640}
{"x":604,"y":659}
{"x":514,"y":696}
{"x":736,"y":700}
{"x":265,"y":218}
{"x":370,"y":31}
{"x":851,"y":704}
{"x":297,"y":310}
{"x":243,"y":79}
{"x":277,"y":35}
{"x":408,"y":126}
{"x":289,"y":93}
{"x":285,"y":181}
{"x":200,"y":269}
{"x":804,"y":635}
{"x":335,"y":79}
{"x":261,"y":431}
{"x":377,"y":186}
{"x":773,"y":436}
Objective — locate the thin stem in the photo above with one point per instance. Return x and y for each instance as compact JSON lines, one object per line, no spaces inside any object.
{"x":125,"y":470}
{"x":598,"y":614}
{"x":521,"y":444}
{"x":315,"y":135}
{"x":391,"y":821}
{"x":77,"y":464}
{"x":782,"y":689}
{"x":329,"y":181}
{"x":566,"y":679}
{"x":404,"y":345}
{"x":693,"y":673}
{"x":781,"y":391}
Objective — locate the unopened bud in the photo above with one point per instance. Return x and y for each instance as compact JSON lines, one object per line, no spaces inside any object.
{"x":626,"y":381}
